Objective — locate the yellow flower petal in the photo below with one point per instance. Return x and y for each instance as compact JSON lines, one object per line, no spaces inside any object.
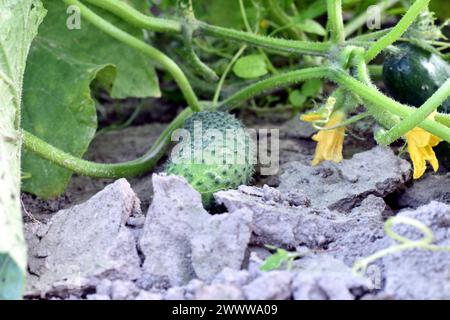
{"x":330,"y":142}
{"x":420,"y":149}
{"x":311,"y":117}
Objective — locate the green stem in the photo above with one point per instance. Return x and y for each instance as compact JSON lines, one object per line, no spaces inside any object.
{"x":280,"y":17}
{"x":398,"y":30}
{"x":244,"y":16}
{"x":105,"y":170}
{"x":335,"y":21}
{"x":417,"y":117}
{"x":277,"y":81}
{"x":270,"y":66}
{"x":279,"y":45}
{"x":153,"y":53}
{"x":348,"y":122}
{"x":378,"y":99}
{"x":376,"y":71}
{"x":443,"y":118}
{"x":380,"y":114}
{"x":369,"y":36}
{"x":136,"y":18}
{"x":361,"y":20}
{"x":192,"y":58}
{"x":225,"y":74}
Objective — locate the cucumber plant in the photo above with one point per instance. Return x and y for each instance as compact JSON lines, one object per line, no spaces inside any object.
{"x":117,"y":42}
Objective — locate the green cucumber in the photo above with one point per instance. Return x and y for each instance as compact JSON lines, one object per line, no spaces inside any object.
{"x":226,"y":154}
{"x":412,"y":74}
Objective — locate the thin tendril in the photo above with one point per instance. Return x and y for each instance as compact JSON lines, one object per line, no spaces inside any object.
{"x":360,"y":267}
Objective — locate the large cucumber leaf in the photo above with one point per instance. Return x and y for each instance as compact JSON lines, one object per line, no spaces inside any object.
{"x":19,"y":21}
{"x":58,"y":106}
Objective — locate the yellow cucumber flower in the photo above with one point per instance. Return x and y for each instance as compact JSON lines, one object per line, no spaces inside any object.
{"x":420,"y":149}
{"x":330,"y":142}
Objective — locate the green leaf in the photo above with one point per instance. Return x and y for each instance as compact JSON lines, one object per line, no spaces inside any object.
{"x":136,"y":76}
{"x":226,"y":15}
{"x":62,"y":114}
{"x":273,"y":262}
{"x":297,"y":99}
{"x":58,"y":106}
{"x":249,"y":67}
{"x":19,"y":21}
{"x":276,"y":260}
{"x":280,"y":257}
{"x":312,"y":88}
{"x":312,"y":26}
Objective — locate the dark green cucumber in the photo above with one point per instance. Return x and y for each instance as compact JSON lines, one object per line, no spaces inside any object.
{"x":412,"y":74}
{"x":225,"y":163}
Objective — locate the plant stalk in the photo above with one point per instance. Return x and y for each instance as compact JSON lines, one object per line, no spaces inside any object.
{"x":273,"y":82}
{"x":396,"y":32}
{"x":136,"y":18}
{"x":131,"y":15}
{"x":106,"y":170}
{"x":375,"y":97}
{"x":417,"y":117}
{"x":335,"y":21}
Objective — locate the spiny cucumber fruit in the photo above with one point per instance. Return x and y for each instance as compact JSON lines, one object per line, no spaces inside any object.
{"x":215,"y":153}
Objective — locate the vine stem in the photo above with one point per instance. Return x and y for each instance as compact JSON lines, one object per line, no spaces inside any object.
{"x":276,"y":44}
{"x":348,"y":122}
{"x":248,"y":28}
{"x":105,"y":170}
{"x":397,"y":31}
{"x":417,"y":117}
{"x":282,"y":18}
{"x":372,"y":36}
{"x":244,"y":16}
{"x":225,"y":74}
{"x":336,"y":23}
{"x":191,"y":57}
{"x":386,"y":119}
{"x":443,"y":118}
{"x":128,"y":13}
{"x":361,"y":20}
{"x":372,"y":95}
{"x":136,"y":18}
{"x":276,"y":81}
{"x":153,"y":53}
